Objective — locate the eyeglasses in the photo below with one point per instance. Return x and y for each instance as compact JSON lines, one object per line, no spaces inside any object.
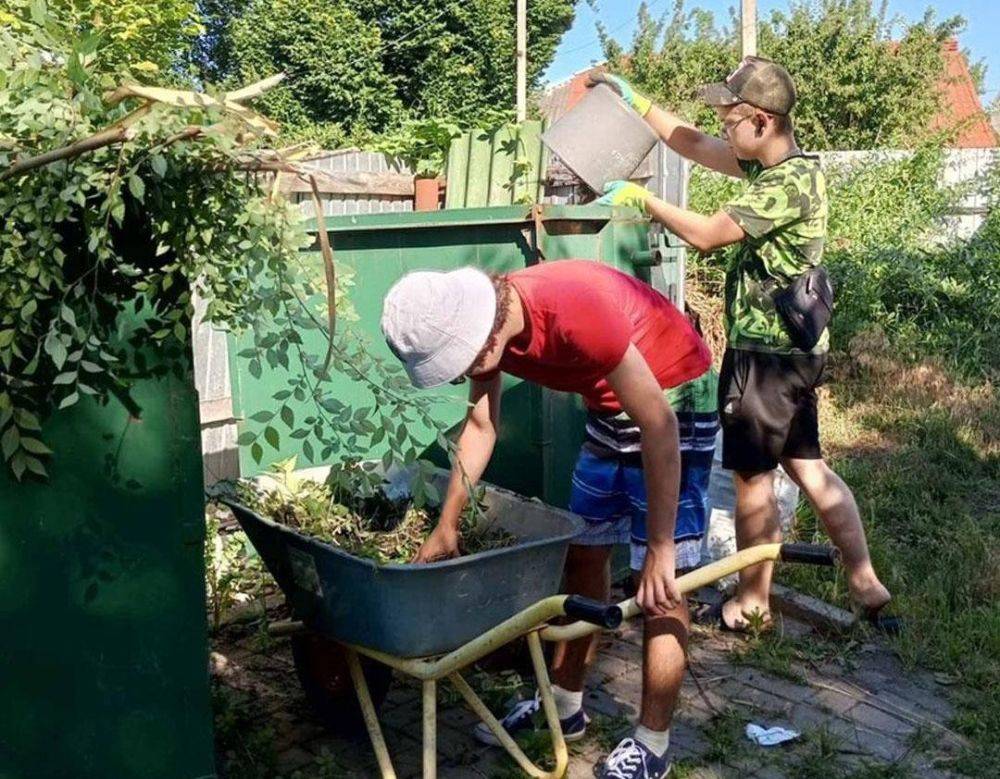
{"x":728,"y":128}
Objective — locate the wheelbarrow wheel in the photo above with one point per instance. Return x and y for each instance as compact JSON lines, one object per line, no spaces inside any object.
{"x":321,"y":665}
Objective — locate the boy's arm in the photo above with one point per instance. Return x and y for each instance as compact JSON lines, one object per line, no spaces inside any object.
{"x":684,"y":138}
{"x":704,"y":233}
{"x":690,"y":142}
{"x":474,"y":449}
{"x":641,"y":398}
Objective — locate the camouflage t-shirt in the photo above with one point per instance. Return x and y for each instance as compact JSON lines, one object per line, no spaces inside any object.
{"x":783,"y":213}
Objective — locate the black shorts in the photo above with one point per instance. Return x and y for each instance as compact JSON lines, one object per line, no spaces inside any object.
{"x":767,"y":407}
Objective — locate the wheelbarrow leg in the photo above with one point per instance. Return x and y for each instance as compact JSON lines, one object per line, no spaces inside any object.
{"x":370,"y":715}
{"x":430,"y":729}
{"x":548,"y":702}
{"x":548,"y":705}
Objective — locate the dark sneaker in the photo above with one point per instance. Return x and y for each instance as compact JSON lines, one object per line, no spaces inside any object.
{"x":632,"y":760}
{"x":527,"y":715}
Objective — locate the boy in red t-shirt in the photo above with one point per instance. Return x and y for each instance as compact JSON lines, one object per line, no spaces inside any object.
{"x":575,"y":326}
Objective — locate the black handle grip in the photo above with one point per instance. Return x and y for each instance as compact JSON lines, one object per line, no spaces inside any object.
{"x":810,"y":554}
{"x":593,"y":611}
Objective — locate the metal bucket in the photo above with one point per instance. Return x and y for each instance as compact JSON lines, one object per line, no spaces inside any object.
{"x":417,"y":610}
{"x":601,"y":139}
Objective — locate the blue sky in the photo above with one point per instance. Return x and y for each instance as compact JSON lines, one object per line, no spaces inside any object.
{"x":580,"y":47}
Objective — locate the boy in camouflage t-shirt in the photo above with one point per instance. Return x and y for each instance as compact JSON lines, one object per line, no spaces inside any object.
{"x":776,"y":230}
{"x":783,"y":215}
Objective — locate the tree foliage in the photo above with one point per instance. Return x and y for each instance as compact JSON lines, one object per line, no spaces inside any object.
{"x":332,"y":55}
{"x":864,"y":81}
{"x":144,"y":36}
{"x":131,"y":230}
{"x":361,"y":67}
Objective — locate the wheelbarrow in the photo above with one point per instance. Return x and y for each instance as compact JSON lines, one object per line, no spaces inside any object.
{"x":431,"y":621}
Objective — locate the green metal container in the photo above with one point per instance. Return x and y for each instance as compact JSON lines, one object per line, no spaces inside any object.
{"x":541,"y":430}
{"x":103,"y":639}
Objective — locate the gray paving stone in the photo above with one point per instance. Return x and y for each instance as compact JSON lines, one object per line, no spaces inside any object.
{"x":611,"y":666}
{"x":686,"y":739}
{"x":836,"y":702}
{"x":597,"y":700}
{"x":877,"y":719}
{"x":923,"y":703}
{"x":805,"y":608}
{"x":878,"y":745}
{"x":759,"y":700}
{"x":790,"y":691}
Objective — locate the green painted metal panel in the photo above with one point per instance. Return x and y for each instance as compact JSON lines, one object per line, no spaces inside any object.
{"x":457,"y":169}
{"x":497,"y":168}
{"x":103,"y":639}
{"x":541,"y":430}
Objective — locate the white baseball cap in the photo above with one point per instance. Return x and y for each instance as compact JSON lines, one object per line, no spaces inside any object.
{"x":436,"y":322}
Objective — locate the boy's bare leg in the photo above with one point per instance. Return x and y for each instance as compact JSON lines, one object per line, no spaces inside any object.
{"x":587,"y":574}
{"x":834,"y":504}
{"x":664,"y":649}
{"x":664,"y":641}
{"x":756,"y":522}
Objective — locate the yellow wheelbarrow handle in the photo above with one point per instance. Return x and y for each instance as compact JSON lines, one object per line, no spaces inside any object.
{"x":813,"y":554}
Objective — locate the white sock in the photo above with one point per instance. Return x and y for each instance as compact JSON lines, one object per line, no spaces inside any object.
{"x":568,"y":703}
{"x":656,"y":741}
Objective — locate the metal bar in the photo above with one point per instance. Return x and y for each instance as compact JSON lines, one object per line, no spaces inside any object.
{"x":430,"y":729}
{"x":354,"y":183}
{"x":508,"y":630}
{"x":522,"y":59}
{"x":479,"y":708}
{"x":371,"y":717}
{"x":285,"y":627}
{"x":686,"y":583}
{"x":748,"y":27}
{"x":548,"y":702}
{"x":461,"y":217}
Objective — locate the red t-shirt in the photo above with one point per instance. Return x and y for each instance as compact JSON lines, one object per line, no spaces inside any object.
{"x":580,"y":316}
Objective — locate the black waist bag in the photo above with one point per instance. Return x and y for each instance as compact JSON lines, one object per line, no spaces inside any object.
{"x":805,"y":307}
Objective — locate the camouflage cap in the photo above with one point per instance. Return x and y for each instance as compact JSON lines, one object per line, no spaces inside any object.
{"x":757,"y":81}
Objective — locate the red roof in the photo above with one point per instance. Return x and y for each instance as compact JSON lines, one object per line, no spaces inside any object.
{"x":960,"y":102}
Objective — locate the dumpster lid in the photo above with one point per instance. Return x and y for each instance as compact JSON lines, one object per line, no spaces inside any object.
{"x":457,"y":217}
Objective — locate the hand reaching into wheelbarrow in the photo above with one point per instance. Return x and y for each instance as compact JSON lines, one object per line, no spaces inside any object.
{"x":441,"y":544}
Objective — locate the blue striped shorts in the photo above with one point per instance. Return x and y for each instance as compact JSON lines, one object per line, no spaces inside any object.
{"x":609,"y":495}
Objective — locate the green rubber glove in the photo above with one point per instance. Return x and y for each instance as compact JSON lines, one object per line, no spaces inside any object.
{"x":639,"y":103}
{"x":624,"y":193}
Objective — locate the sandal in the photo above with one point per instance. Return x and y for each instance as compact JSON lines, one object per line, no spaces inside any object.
{"x":713,"y":616}
{"x":888,"y":624}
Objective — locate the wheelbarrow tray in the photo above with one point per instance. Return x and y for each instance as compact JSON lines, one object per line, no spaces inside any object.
{"x":417,"y":610}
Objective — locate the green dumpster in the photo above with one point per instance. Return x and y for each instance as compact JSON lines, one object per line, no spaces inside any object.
{"x":541,"y":430}
{"x":103,"y":639}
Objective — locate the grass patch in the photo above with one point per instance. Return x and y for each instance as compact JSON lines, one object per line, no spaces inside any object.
{"x":724,"y":735}
{"x":785,"y":656}
{"x":326,"y":766}
{"x":244,"y":748}
{"x":921,"y":450}
{"x":819,"y":756}
{"x":882,"y":771}
{"x":771,"y":652}
{"x":606,"y":731}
